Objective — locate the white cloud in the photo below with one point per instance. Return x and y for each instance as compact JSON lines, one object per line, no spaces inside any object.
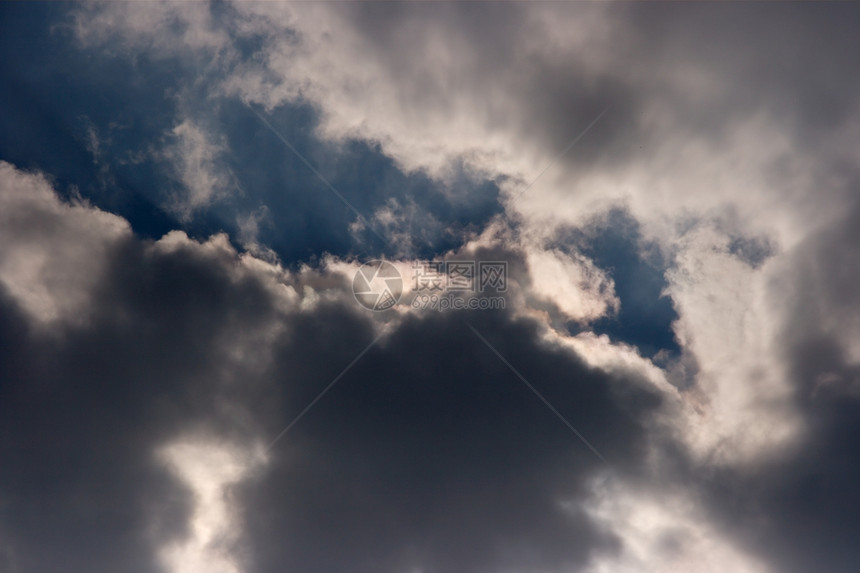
{"x":161,"y":27}
{"x":581,"y":291}
{"x":197,"y":157}
{"x":53,"y":252}
{"x":665,"y":532}
{"x":729,"y":324}
{"x":208,"y":469}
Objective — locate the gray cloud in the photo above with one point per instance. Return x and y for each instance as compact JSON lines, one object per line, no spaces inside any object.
{"x":84,"y":408}
{"x":430,"y":453}
{"x":730,"y":142}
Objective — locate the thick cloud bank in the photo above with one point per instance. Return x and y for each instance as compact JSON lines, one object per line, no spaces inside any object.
{"x":673,"y":383}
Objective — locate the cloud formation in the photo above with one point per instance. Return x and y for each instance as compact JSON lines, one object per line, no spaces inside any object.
{"x":142,"y":380}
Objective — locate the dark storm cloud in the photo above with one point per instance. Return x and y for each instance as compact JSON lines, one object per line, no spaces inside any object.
{"x":82,"y":409}
{"x":431,"y":454}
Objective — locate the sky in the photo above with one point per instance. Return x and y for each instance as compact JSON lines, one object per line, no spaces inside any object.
{"x":429,"y":287}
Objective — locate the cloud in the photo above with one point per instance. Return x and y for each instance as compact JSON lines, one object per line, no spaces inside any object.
{"x":728,"y":327}
{"x":199,"y":166}
{"x":88,"y":401}
{"x":131,"y":29}
{"x":430,"y":453}
{"x":504,"y":90}
{"x":208,"y":470}
{"x":581,"y":291}
{"x":53,"y":253}
{"x":665,"y":531}
{"x":732,"y":149}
